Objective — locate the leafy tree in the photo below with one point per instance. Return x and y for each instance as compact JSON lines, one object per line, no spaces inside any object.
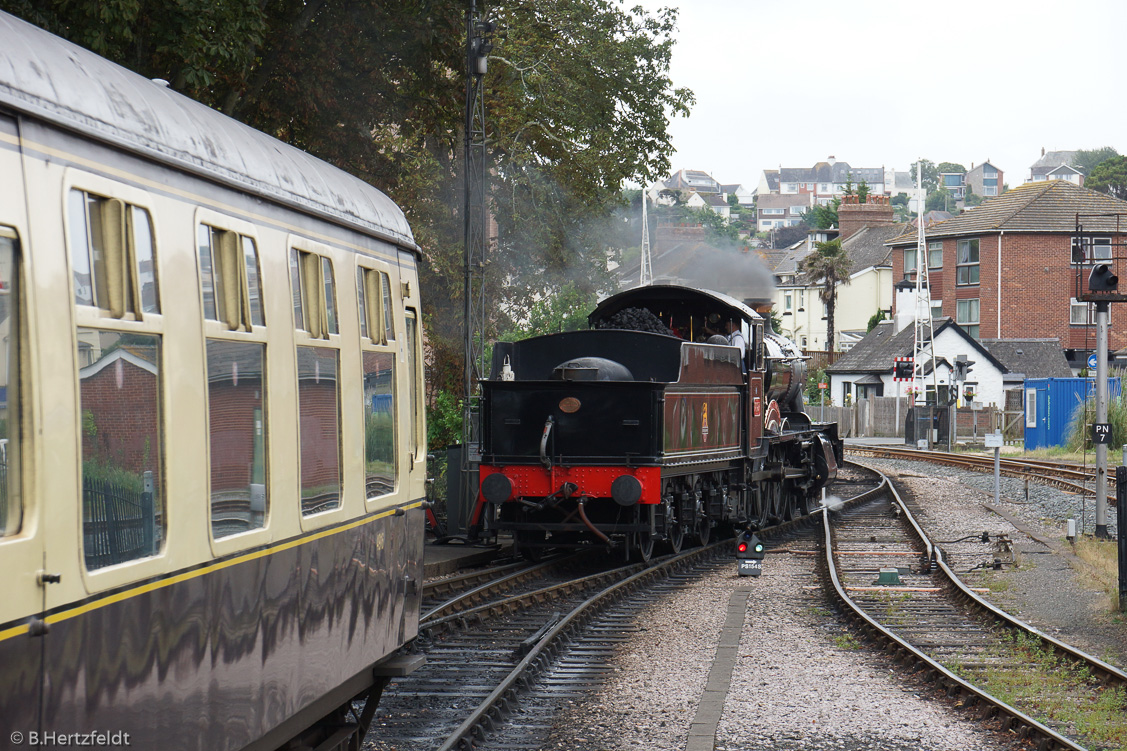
{"x":784,"y":237}
{"x":949,"y":167}
{"x":830,"y":265}
{"x":973,"y":199}
{"x":939,"y":200}
{"x":1086,"y":160}
{"x":930,"y":174}
{"x":849,"y":190}
{"x":875,"y":319}
{"x":900,"y":199}
{"x":812,"y":393}
{"x":863,"y":192}
{"x":578,"y":96}
{"x":776,"y":320}
{"x":823,"y":216}
{"x":1110,"y":176}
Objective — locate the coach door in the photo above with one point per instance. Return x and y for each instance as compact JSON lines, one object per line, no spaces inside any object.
{"x":21,"y":536}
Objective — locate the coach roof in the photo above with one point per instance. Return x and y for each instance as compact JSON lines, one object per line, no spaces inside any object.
{"x":50,"y":78}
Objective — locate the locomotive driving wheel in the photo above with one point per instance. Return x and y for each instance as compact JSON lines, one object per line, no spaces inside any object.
{"x":702,"y":525}
{"x":643,"y":541}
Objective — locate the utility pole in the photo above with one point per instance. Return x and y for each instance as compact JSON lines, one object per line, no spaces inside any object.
{"x":478,"y":47}
{"x":647,"y":274}
{"x":924,"y":334}
{"x":1101,"y":417}
{"x":1096,"y":258}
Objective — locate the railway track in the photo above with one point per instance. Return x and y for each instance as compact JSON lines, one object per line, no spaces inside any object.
{"x":898,"y":588}
{"x":507,"y":645}
{"x":1071,"y":477}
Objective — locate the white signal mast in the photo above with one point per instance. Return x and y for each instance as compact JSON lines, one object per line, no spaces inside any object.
{"x":924,"y":328}
{"x":647,"y":274}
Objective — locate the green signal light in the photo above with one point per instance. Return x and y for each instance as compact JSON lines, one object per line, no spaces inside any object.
{"x":759,"y":548}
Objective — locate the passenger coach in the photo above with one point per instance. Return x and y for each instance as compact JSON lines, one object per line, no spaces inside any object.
{"x":212,"y":454}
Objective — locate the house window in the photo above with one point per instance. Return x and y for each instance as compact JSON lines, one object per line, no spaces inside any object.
{"x":801,"y":299}
{"x":1088,"y":249}
{"x":787,"y":300}
{"x":966,"y":270}
{"x":966,"y":315}
{"x":774,"y":212}
{"x":935,"y":255}
{"x":989,"y":190}
{"x":1083,"y":314}
{"x":910,"y":261}
{"x":936,"y":309}
{"x":798,"y":209}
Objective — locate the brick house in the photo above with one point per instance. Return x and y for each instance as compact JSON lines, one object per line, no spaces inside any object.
{"x":1003,"y":270}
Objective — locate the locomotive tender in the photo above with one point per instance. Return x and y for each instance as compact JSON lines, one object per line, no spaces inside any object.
{"x":212,"y":447}
{"x":626,"y":437}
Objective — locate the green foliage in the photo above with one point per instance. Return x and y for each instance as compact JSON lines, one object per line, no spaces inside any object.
{"x":823,"y":216}
{"x":565,"y":311}
{"x":949,"y":167}
{"x":900,"y":199}
{"x":940,"y":200}
{"x":972,"y":199}
{"x":578,"y":99}
{"x":811,"y":392}
{"x":863,"y":192}
{"x":1080,"y":427}
{"x":1086,"y":160}
{"x":444,"y":421}
{"x":1110,"y":176}
{"x":930,"y":174}
{"x":776,"y":320}
{"x":830,"y":264}
{"x":379,"y":438}
{"x":129,"y":482}
{"x":875,"y":319}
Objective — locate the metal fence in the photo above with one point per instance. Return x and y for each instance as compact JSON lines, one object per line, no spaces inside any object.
{"x":118,"y":523}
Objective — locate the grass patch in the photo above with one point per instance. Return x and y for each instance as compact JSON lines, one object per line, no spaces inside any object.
{"x":993,"y":583}
{"x":1057,"y":691}
{"x":846,"y":641}
{"x":1102,"y":557}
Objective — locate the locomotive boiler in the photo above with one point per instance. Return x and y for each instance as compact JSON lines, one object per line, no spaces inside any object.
{"x":648,"y":428}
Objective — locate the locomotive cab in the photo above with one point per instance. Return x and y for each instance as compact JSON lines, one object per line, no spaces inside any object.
{"x":643,"y":429}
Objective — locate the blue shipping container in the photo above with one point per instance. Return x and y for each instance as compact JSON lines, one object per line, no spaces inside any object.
{"x":1050,"y":404}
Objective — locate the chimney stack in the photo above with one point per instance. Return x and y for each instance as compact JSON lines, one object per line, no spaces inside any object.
{"x":852,"y":216}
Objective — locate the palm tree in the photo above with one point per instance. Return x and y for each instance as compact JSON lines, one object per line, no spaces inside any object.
{"x":830,"y":264}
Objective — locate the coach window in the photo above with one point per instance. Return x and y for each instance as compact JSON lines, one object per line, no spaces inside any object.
{"x":380,"y":457}
{"x":415,"y":387}
{"x":120,"y":407}
{"x":11,"y":508}
{"x":112,"y":255}
{"x":236,"y":377}
{"x":318,"y":380}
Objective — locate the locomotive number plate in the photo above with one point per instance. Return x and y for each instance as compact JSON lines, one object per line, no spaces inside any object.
{"x":749,"y":567}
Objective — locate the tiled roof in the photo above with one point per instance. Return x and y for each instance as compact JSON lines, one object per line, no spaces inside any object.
{"x":1051,"y":159}
{"x":1034,"y":207}
{"x":824,"y":172}
{"x":866,"y":247}
{"x":875,"y":353}
{"x":772,"y":177}
{"x":1034,"y":358}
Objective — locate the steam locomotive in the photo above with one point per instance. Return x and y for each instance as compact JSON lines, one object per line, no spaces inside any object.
{"x":641,"y":430}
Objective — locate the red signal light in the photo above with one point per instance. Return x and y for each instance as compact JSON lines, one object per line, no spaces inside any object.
{"x":742,"y":547}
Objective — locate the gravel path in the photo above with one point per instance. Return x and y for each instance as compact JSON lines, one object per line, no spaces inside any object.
{"x":792,"y":687}
{"x":1045,"y":584}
